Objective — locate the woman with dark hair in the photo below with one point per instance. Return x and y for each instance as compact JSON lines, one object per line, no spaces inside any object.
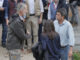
{"x":50,"y":42}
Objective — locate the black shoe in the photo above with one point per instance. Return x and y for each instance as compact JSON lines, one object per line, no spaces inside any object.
{"x":4,"y":45}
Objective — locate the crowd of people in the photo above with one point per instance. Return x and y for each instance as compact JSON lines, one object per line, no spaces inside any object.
{"x":28,"y":22}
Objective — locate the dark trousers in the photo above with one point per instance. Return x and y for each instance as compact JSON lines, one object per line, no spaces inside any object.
{"x":39,"y":31}
{"x":4,"y":30}
{"x":45,"y":14}
{"x":67,"y":10}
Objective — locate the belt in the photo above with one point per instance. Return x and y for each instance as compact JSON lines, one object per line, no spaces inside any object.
{"x":32,"y":14}
{"x":64,"y":46}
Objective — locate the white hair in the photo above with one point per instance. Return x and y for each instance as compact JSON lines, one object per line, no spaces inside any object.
{"x":20,"y":7}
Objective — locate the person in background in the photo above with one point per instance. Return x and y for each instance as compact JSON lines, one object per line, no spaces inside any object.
{"x":74,"y":10}
{"x":35,"y":14}
{"x":65,"y":30}
{"x":52,"y":10}
{"x":4,"y":20}
{"x":45,"y":4}
{"x":12,"y":6}
{"x":16,"y":32}
{"x":50,"y":41}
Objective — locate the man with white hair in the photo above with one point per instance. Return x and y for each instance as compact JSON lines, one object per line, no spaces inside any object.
{"x":16,"y":32}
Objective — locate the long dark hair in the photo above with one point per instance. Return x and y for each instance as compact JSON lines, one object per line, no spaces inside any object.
{"x":49,"y":29}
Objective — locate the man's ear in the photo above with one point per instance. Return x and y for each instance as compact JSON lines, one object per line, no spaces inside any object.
{"x":63,"y":17}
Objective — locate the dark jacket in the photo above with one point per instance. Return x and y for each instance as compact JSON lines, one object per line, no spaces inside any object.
{"x":70,"y":1}
{"x":16,"y":33}
{"x":4,"y":14}
{"x":53,"y":11}
{"x":51,"y":47}
{"x":62,"y":4}
{"x":44,"y":2}
{"x":77,"y":2}
{"x":73,"y":2}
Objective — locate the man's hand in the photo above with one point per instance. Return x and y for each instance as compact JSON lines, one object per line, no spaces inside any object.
{"x":7,"y":21}
{"x":70,"y":52}
{"x":1,"y":9}
{"x":28,"y":32}
{"x":40,"y":21}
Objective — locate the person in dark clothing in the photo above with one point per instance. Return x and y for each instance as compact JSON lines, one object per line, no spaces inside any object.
{"x":17,"y":32}
{"x":4,"y":20}
{"x":74,"y":10}
{"x":45,"y":4}
{"x":61,"y":4}
{"x":12,"y":6}
{"x":78,"y":3}
{"x":50,"y":41}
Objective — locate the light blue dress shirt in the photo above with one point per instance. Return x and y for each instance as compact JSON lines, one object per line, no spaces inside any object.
{"x":66,"y":33}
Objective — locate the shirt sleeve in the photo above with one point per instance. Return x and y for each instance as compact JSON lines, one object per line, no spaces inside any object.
{"x":49,"y":13}
{"x":71,"y":35}
{"x":41,"y":6}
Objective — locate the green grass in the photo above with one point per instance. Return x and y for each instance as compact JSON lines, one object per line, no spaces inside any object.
{"x":76,"y":56}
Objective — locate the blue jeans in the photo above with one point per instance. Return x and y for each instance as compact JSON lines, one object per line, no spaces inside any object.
{"x":4,"y":32}
{"x":64,"y":53}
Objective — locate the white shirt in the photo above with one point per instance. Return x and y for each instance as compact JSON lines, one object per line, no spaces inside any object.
{"x":1,"y":3}
{"x":65,"y":30}
{"x":49,"y":11}
{"x":31,"y":6}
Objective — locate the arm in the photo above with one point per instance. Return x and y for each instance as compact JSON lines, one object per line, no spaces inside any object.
{"x":43,"y":42}
{"x":42,"y":10}
{"x":71,"y":39}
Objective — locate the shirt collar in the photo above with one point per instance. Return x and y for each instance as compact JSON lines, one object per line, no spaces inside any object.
{"x":63,"y":22}
{"x":21,"y":18}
